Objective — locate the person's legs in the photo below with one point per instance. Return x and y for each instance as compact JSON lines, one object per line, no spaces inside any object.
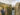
{"x":3,"y":13}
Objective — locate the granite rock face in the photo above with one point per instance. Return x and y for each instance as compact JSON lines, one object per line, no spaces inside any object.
{"x":17,"y":9}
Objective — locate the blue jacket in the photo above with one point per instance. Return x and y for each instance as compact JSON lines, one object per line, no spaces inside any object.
{"x":2,"y":11}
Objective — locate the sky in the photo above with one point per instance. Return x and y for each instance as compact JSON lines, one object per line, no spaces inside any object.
{"x":13,"y":2}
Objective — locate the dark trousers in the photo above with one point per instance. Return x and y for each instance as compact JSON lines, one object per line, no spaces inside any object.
{"x":3,"y":13}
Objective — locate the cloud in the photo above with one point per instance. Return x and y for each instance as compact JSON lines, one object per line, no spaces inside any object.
{"x":9,"y":2}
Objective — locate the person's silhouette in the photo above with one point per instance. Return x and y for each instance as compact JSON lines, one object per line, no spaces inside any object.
{"x":3,"y":12}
